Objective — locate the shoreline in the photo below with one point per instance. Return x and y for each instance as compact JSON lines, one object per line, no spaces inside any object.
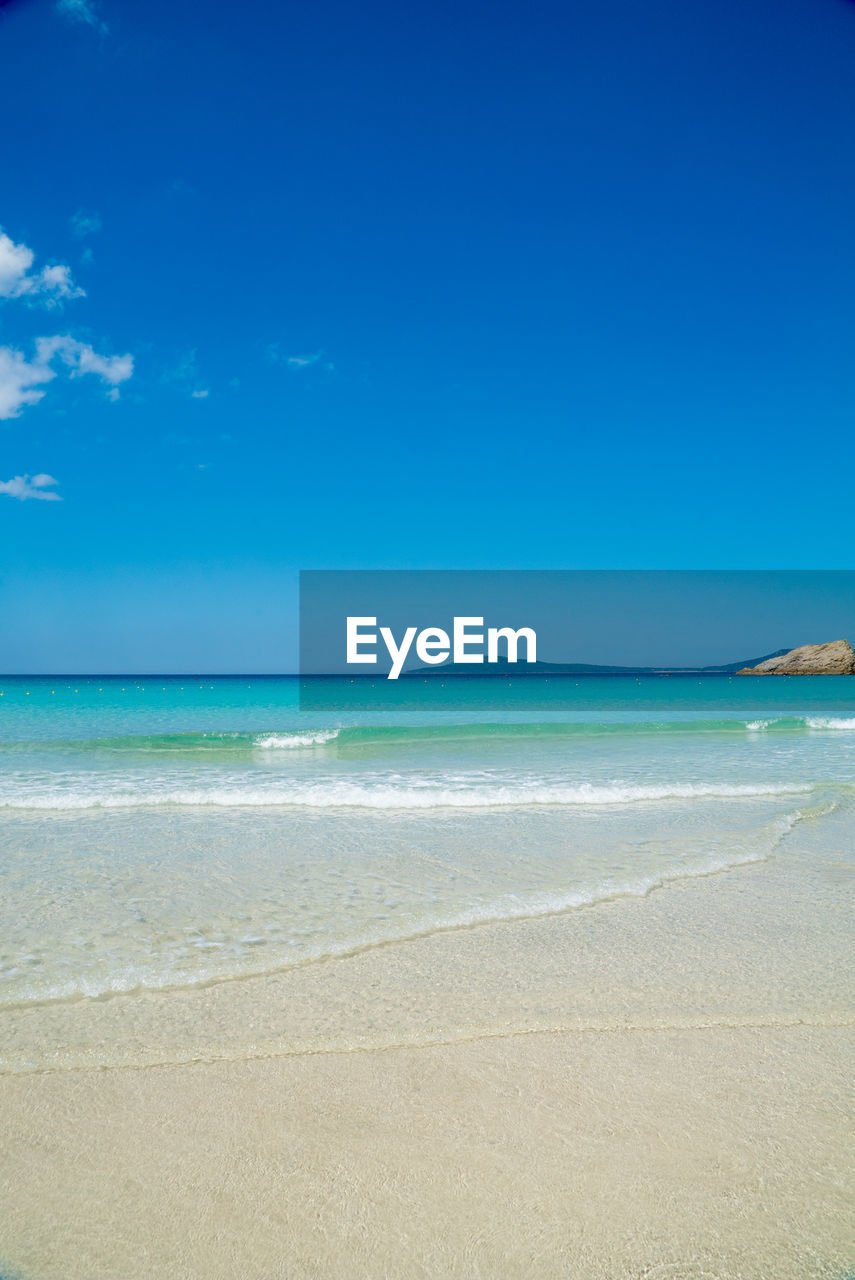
{"x":649,"y":1087}
{"x":704,"y":947}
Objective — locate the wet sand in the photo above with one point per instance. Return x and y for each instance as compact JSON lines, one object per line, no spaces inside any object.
{"x":655,"y":1087}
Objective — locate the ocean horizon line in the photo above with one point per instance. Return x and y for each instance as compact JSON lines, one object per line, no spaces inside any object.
{"x":344,"y":675}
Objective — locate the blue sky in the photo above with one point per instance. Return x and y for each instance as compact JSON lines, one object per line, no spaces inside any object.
{"x":398,"y":285}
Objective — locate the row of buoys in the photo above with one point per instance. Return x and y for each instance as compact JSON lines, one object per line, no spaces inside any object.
{"x":124,"y":690}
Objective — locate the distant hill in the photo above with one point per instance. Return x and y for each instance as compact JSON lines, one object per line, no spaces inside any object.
{"x":752,"y":662}
{"x":503,"y":667}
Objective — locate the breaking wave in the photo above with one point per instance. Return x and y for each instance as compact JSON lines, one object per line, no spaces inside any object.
{"x":294,"y":741}
{"x":342,"y":739}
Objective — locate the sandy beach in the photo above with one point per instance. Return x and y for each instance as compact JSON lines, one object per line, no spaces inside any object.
{"x":648,"y":1087}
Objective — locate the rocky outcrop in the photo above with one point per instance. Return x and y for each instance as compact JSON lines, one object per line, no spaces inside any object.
{"x":836,"y":658}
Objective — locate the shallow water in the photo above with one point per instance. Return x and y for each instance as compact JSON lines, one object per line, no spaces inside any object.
{"x":164,"y":832}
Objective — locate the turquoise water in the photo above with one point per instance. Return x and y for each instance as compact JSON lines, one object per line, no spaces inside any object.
{"x":164,"y":831}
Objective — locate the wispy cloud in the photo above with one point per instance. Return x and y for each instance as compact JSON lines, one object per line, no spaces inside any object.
{"x":23,"y":487}
{"x":51,"y":286}
{"x":85,"y":224}
{"x":82,"y":11}
{"x":22,"y":380}
{"x":318,"y":359}
{"x":185,"y":374}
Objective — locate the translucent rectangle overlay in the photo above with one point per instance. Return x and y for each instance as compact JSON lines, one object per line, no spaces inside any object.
{"x":368,"y":635}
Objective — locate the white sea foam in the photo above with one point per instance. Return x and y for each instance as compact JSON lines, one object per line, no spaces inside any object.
{"x":293,"y":741}
{"x":803,"y":722}
{"x":386,"y":795}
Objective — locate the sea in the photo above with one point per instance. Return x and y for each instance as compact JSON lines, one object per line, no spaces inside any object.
{"x":162,"y":832}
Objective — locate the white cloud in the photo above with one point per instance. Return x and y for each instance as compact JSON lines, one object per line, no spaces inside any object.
{"x":51,"y":286}
{"x":82,"y":11}
{"x":85,"y":224}
{"x":200,"y":395}
{"x":15,"y":262}
{"x":21,"y":379}
{"x":81,"y":358}
{"x":23,"y":487}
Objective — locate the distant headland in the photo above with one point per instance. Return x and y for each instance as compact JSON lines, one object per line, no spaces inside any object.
{"x":835,"y":658}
